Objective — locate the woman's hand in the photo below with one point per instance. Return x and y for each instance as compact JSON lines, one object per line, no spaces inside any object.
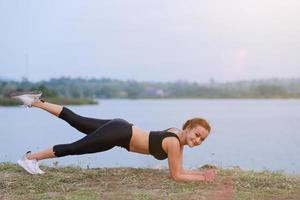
{"x":210,"y":175}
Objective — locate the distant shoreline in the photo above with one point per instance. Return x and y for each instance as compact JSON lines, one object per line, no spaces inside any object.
{"x":7,"y":102}
{"x":57,"y":100}
{"x":111,"y":88}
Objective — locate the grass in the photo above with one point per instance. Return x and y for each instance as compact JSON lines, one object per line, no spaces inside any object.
{"x":132,"y":183}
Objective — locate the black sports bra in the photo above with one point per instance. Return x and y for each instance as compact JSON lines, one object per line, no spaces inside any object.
{"x":155,"y":143}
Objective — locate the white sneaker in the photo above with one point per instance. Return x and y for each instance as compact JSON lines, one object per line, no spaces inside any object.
{"x":39,"y":169}
{"x":27,"y":98}
{"x":31,"y":166}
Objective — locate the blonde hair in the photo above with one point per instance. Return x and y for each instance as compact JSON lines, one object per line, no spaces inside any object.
{"x":191,"y":123}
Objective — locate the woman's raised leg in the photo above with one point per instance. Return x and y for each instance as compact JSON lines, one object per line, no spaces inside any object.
{"x":83,"y":124}
{"x":49,"y":107}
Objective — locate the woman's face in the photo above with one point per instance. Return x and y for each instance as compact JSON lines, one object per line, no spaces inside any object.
{"x":196,"y":135}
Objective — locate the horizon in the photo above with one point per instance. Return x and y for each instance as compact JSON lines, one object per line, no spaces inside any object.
{"x":153,"y":81}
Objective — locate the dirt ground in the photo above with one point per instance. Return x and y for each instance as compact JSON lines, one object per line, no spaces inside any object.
{"x":132,"y":183}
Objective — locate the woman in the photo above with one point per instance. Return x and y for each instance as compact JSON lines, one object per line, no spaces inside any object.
{"x":104,"y":134}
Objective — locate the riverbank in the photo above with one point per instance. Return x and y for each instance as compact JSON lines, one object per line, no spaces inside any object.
{"x":57,"y":100}
{"x":132,"y":183}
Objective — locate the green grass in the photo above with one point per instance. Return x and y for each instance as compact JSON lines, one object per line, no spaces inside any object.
{"x":266,"y":185}
{"x":131,"y":183}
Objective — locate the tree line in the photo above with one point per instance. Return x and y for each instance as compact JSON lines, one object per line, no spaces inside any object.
{"x":112,"y":88}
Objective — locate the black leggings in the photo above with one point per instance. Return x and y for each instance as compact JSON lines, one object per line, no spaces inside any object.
{"x":101,"y":134}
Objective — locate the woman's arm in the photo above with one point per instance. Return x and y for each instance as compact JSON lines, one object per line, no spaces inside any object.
{"x":175,"y":164}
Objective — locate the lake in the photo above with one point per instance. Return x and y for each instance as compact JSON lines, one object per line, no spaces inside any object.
{"x":251,"y":134}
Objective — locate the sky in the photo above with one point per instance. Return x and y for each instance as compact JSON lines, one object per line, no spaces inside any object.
{"x":150,"y":40}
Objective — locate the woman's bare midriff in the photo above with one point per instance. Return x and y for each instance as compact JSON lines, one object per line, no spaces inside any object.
{"x":139,"y":140}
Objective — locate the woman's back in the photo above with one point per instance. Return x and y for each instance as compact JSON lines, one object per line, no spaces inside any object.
{"x":139,"y":140}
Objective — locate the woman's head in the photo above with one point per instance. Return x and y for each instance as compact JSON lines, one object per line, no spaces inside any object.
{"x":196,"y":130}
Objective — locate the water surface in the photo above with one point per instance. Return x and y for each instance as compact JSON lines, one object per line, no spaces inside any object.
{"x":251,"y":134}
